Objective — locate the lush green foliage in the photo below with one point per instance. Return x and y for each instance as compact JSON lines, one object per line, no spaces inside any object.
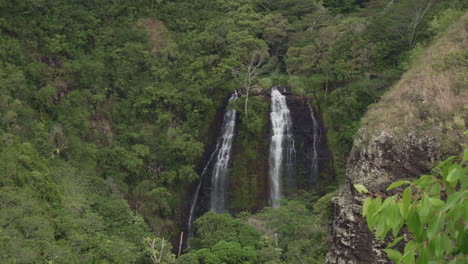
{"x":346,"y":63}
{"x":220,"y":238}
{"x":102,"y":101}
{"x":290,"y":234}
{"x":434,"y":211}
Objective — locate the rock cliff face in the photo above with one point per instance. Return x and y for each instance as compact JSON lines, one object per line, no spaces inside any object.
{"x":420,"y":122}
{"x":248,"y":176}
{"x":249,"y":179}
{"x":376,"y":161}
{"x":303,"y":130}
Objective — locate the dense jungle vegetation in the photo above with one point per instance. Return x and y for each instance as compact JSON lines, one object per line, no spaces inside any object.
{"x":106,"y":106}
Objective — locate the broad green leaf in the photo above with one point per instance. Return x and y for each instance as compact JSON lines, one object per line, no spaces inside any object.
{"x":408,"y":257}
{"x":425,"y":207}
{"x":382,"y":226}
{"x":437,"y":202}
{"x":365,"y":206}
{"x":435,"y":191}
{"x":405,"y":203}
{"x":454,"y":175}
{"x":361,"y":188}
{"x":372,"y":218}
{"x":393,"y":254}
{"x":397,"y":184}
{"x":462,"y":242}
{"x":414,"y":225}
{"x":423,"y":257}
{"x":447,"y":244}
{"x":452,"y":199}
{"x":438,"y":249}
{"x":387,"y":201}
{"x":392,"y":216}
{"x":464,"y":178}
{"x":465,"y":155}
{"x":435,"y":226}
{"x":456,"y":213}
{"x":397,"y":226}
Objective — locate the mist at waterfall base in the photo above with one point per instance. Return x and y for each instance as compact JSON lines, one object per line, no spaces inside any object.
{"x":222,"y":158}
{"x":282,"y":151}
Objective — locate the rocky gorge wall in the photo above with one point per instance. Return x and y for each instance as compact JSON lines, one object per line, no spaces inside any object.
{"x":249,"y":177}
{"x":248,"y":181}
{"x":303,"y":130}
{"x":418,"y":123}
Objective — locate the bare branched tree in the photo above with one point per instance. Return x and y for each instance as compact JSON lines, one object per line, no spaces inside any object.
{"x":156,"y":249}
{"x":409,"y":14}
{"x":416,"y":20}
{"x":254,"y":67}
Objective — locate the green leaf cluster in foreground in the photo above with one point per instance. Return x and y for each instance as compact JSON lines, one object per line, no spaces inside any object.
{"x":434,"y":211}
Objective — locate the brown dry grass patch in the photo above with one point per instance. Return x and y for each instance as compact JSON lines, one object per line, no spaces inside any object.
{"x":159,"y":37}
{"x":433,"y":94}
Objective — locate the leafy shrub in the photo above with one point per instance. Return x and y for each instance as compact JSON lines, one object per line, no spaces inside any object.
{"x":434,"y":211}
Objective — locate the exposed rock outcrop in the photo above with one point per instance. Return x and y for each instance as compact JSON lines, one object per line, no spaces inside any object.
{"x":376,"y":161}
{"x":418,"y":123}
{"x":303,"y":130}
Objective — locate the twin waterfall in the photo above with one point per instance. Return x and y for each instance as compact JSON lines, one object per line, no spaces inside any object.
{"x":212,"y":190}
{"x":282,"y":150}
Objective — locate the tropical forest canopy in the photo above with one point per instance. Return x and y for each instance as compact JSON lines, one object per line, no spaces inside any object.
{"x":106,"y":107}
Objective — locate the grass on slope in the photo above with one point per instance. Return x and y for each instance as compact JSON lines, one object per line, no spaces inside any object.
{"x":433,"y":94}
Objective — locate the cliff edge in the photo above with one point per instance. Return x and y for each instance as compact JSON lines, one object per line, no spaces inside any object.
{"x":419,"y":122}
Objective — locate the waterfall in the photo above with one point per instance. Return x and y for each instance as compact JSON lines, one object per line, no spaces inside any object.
{"x":223,"y":151}
{"x":282,"y":150}
{"x":197,"y":193}
{"x":316,"y":140}
{"x":220,"y":170}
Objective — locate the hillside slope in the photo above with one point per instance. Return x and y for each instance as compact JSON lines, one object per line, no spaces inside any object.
{"x":420,"y":121}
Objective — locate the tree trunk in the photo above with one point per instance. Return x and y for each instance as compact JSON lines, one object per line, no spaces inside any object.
{"x":246,"y":100}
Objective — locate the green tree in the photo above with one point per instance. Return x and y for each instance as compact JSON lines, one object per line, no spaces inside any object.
{"x":340,"y":6}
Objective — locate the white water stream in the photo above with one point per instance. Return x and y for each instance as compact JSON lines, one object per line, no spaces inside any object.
{"x":281,"y":146}
{"x":222,"y":153}
{"x":316,"y":138}
{"x":221,"y":167}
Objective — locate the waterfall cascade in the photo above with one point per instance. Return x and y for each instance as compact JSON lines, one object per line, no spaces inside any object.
{"x":221,"y":167}
{"x":197,"y":194}
{"x":316,"y":141}
{"x":282,"y":150}
{"x":222,"y":153}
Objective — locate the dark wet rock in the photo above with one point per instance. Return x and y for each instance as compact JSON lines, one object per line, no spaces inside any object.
{"x":376,"y":161}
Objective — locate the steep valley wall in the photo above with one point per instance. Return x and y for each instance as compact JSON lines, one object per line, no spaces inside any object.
{"x":418,"y":123}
